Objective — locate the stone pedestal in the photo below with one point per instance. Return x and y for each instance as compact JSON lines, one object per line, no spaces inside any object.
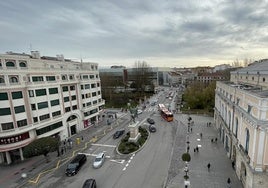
{"x":134,"y":132}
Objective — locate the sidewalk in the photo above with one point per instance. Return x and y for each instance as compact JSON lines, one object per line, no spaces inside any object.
{"x":11,"y":175}
{"x":213,"y":153}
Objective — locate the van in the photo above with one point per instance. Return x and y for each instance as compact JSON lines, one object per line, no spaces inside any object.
{"x":74,"y":166}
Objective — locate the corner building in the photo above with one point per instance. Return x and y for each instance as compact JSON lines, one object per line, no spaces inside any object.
{"x":45,"y":96}
{"x":241,"y":117}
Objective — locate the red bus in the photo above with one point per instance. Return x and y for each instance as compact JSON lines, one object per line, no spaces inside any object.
{"x":165,"y":113}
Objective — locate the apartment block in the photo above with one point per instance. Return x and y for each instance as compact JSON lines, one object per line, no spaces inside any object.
{"x":45,"y":96}
{"x":241,"y":117}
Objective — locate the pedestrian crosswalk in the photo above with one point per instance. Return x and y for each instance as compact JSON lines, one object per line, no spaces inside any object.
{"x":150,"y":109}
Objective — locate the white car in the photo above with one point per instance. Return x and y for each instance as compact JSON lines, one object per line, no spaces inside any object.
{"x":139,"y":111}
{"x":99,"y":160}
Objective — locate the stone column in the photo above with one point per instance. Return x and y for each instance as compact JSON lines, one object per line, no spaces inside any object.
{"x":2,"y":158}
{"x":8,"y":157}
{"x":21,"y":154}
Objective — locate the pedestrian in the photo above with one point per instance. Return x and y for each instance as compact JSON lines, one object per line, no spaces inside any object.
{"x":212,"y":140}
{"x":233,"y":164}
{"x":208,"y":166}
{"x":201,"y":135}
{"x":194,"y":149}
{"x":64,"y":142}
{"x":191,"y":129}
{"x":197,"y":150}
{"x":216,"y":139}
{"x":82,"y":138}
{"x":62,"y":151}
{"x":229,"y":183}
{"x":188,"y":148}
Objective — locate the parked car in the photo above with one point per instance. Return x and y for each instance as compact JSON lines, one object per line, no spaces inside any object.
{"x":150,"y":120}
{"x":74,"y":166}
{"x":139,"y":111}
{"x":99,"y":160}
{"x":152,"y":128}
{"x":90,"y":183}
{"x":119,"y":133}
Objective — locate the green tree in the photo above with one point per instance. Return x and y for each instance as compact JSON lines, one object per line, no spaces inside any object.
{"x":41,"y":146}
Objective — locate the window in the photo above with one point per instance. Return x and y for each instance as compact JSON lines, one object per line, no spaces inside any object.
{"x":67,"y":109}
{"x":53,"y":90}
{"x":91,"y":76}
{"x":33,"y":106}
{"x":252,"y":77}
{"x":2,"y":80}
{"x":83,"y":96}
{"x":42,"y":105}
{"x":72,"y":88}
{"x":99,"y":92}
{"x":38,"y":78}
{"x":84,"y":105}
{"x":44,"y":117}
{"x":22,"y":123}
{"x":88,"y":103}
{"x":50,"y":78}
{"x":71,"y":77}
{"x":73,"y":97}
{"x":19,"y":109}
{"x":63,"y":77}
{"x":35,"y":119}
{"x":93,"y":85}
{"x":7,"y":126}
{"x":55,"y":102}
{"x":95,"y":102}
{"x":88,"y":95}
{"x":66,"y":99}
{"x":94,"y":94}
{"x":17,"y":95}
{"x":49,"y":128}
{"x":87,"y":86}
{"x":57,"y":113}
{"x":22,"y":64}
{"x":74,"y":107}
{"x":13,"y":79}
{"x":40,"y":92}
{"x":10,"y":64}
{"x":85,"y":77}
{"x":31,"y":93}
{"x":249,"y":108}
{"x":3,"y":96}
{"x":65,"y":88}
{"x":82,"y":87}
{"x":263,"y":79}
{"x":5,"y":111}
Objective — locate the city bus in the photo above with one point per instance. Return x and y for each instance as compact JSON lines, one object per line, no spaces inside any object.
{"x":165,"y":113}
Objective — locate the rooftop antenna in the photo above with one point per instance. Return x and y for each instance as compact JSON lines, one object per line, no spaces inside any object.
{"x":81,"y":58}
{"x":31,"y":47}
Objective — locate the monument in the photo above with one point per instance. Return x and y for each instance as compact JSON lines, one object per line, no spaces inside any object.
{"x":133,"y":126}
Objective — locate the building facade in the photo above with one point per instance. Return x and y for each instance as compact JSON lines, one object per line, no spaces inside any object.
{"x":45,"y":96}
{"x":241,"y":117}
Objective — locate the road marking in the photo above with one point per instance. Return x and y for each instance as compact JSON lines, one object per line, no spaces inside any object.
{"x":104,"y":145}
{"x":118,"y":161}
{"x":128,"y":162}
{"x":94,"y":155}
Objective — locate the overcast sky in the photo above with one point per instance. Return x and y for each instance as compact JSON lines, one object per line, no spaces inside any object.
{"x":164,"y":33}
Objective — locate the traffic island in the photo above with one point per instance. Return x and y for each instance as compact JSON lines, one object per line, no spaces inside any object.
{"x":126,"y":146}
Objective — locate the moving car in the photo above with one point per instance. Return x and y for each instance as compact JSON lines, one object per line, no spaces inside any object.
{"x":119,"y":133}
{"x":99,"y":160}
{"x":90,"y":183}
{"x":150,"y":120}
{"x":74,"y":166}
{"x":152,"y":128}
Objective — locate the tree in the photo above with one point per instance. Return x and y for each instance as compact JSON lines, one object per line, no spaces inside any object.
{"x":41,"y":146}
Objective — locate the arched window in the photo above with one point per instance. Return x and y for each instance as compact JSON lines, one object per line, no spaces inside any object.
{"x":13,"y":79}
{"x":247,"y":141}
{"x":10,"y":64}
{"x":63,"y":77}
{"x":23,"y":64}
{"x":72,"y":117}
{"x":2,"y":80}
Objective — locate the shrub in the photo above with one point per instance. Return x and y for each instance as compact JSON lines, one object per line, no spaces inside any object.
{"x":186,"y":157}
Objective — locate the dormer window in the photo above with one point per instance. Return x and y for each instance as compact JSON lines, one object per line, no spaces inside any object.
{"x":22,"y":64}
{"x":10,"y":64}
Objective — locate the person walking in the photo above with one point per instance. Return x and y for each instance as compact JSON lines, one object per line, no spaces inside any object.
{"x":229,"y":183}
{"x":208,"y":166}
{"x":201,"y":135}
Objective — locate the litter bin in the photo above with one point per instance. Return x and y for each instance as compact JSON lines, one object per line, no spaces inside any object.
{"x":77,"y":141}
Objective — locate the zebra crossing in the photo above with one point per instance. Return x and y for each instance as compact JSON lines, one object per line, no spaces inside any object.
{"x":150,"y":109}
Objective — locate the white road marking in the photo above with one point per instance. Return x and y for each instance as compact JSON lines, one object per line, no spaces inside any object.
{"x":118,"y":161}
{"x":124,"y":169}
{"x":94,"y":155}
{"x":198,"y":139}
{"x":104,"y":145}
{"x":128,"y":162}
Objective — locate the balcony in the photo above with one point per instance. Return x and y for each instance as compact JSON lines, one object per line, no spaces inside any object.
{"x":244,"y":154}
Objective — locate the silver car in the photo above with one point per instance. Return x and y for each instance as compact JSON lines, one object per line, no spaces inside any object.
{"x":99,"y":160}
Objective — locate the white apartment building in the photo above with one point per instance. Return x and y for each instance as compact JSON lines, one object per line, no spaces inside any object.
{"x":45,"y":96}
{"x":241,"y":116}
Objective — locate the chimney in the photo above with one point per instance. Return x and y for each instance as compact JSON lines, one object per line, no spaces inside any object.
{"x":35,"y":54}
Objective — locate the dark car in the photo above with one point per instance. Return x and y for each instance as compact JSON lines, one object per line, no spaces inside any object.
{"x":75,"y":165}
{"x":152,"y":128}
{"x":119,"y":133}
{"x":150,"y":120}
{"x":90,"y":183}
